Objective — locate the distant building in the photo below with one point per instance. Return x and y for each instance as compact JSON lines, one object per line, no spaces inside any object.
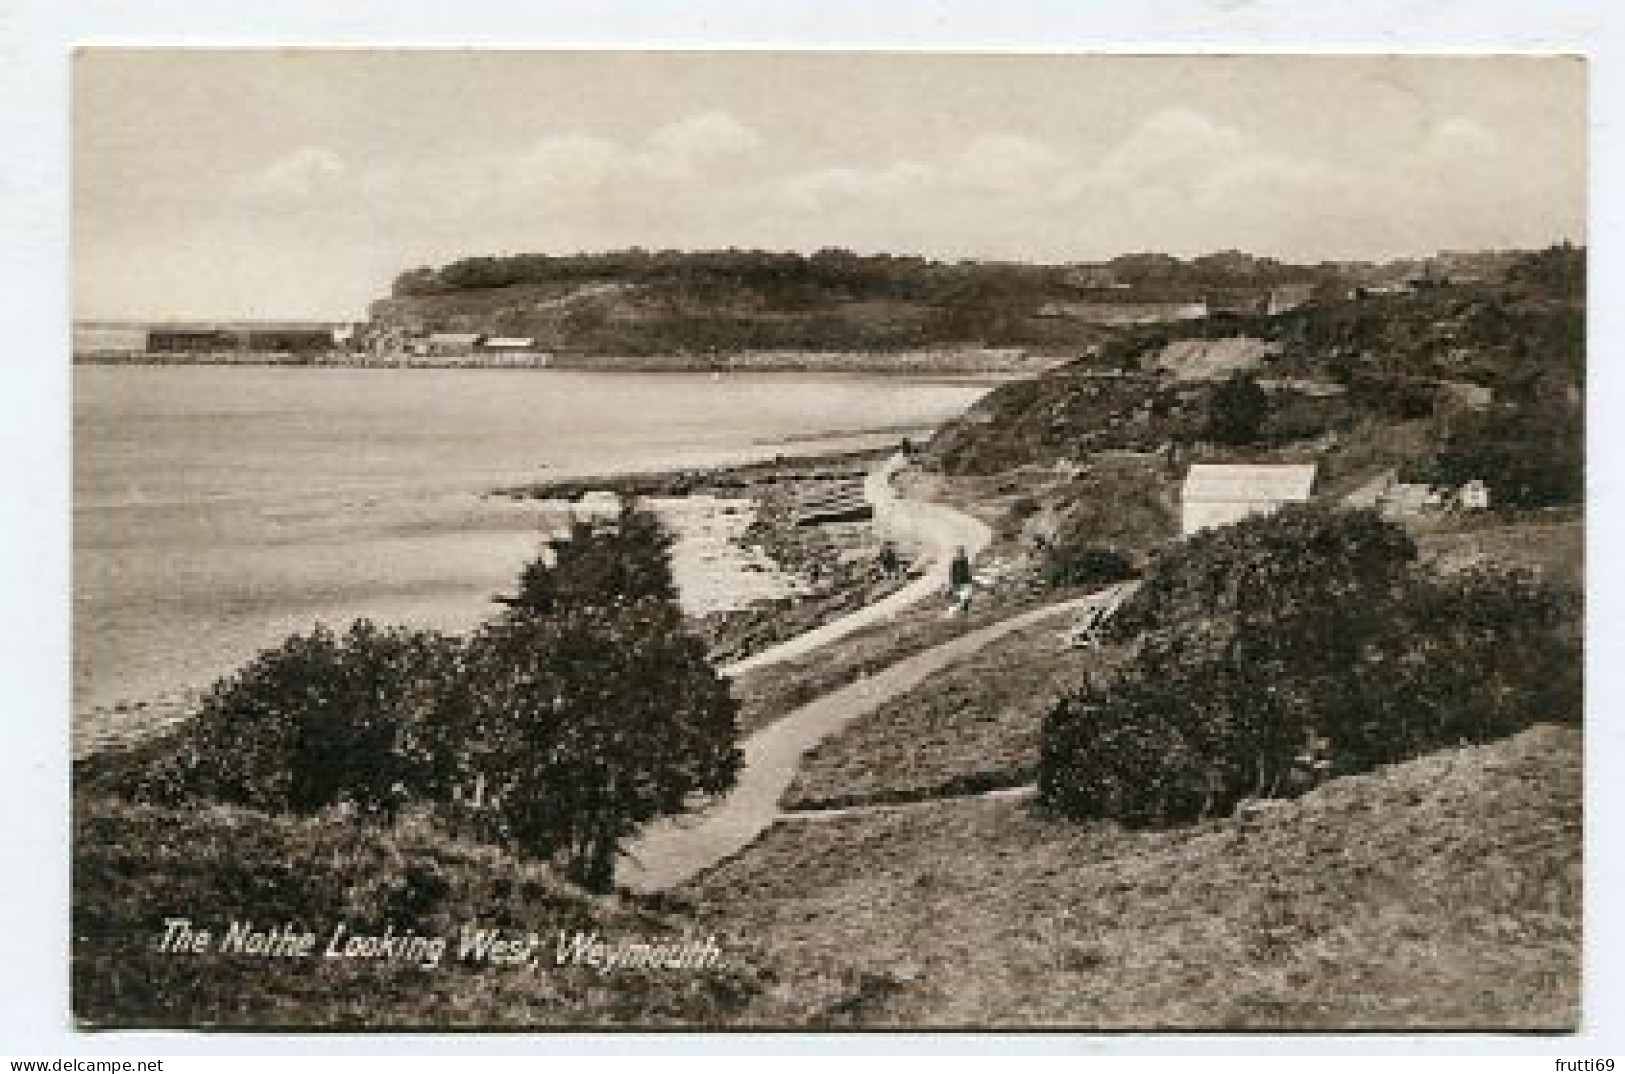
{"x":1221,"y":494}
{"x":1474,"y":496}
{"x":1315,"y":389}
{"x":292,"y":340}
{"x":1289,"y":296}
{"x":513,"y":352}
{"x":1403,"y":499}
{"x":1369,"y":495}
{"x":1241,"y":303}
{"x":192,"y":340}
{"x":1398,"y":500}
{"x":508,"y":343}
{"x":450,"y":344}
{"x":1465,"y":395}
{"x":1093,"y":277}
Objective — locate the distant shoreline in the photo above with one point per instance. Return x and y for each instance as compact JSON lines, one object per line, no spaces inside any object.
{"x":992,"y":363}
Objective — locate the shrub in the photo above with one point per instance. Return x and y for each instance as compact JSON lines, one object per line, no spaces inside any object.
{"x":1066,"y":565}
{"x":1236,"y":410}
{"x":1311,"y":627}
{"x":1532,"y":457}
{"x":1467,"y":658}
{"x":321,"y":719}
{"x":600,"y":564}
{"x":1294,"y":567}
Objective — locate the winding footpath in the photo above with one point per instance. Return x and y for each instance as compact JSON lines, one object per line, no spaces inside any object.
{"x":674,"y":849}
{"x":938,"y":529}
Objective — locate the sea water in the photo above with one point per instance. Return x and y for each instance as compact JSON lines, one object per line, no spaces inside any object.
{"x":218,"y":509}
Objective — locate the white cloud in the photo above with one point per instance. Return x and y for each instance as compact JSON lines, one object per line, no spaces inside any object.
{"x":826,"y":188}
{"x":1179,"y":180}
{"x":681,"y":149}
{"x":302,"y":173}
{"x":1458,"y":137}
{"x":299,"y":174}
{"x":569,"y":162}
{"x":1005,"y":164}
{"x":1173,"y":145}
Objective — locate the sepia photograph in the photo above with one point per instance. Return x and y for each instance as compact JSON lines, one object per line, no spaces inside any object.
{"x":807,"y":541}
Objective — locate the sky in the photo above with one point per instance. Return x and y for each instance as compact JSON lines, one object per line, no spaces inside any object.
{"x":297,"y":183}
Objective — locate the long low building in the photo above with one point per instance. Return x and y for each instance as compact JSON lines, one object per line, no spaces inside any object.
{"x":209,"y":339}
{"x":447,"y":343}
{"x":192,"y":340}
{"x":290,"y":339}
{"x":508,"y":344}
{"x":1220,"y":494}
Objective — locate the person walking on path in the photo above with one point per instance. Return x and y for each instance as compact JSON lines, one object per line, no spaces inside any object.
{"x":959,"y":583}
{"x":891,"y":565}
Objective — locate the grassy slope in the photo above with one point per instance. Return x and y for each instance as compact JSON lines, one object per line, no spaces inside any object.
{"x":625,"y":318}
{"x":1441,"y":893}
{"x":1553,"y":547}
{"x":134,"y":866}
{"x":972,"y":727}
{"x":769,"y":693}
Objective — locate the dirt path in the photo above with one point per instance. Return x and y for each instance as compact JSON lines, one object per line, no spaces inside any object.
{"x":936,"y":528}
{"x":671,"y":851}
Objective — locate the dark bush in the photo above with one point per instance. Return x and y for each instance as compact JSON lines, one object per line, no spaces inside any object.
{"x":1069,"y":565}
{"x":319,"y":720}
{"x":1258,"y":642}
{"x":1237,"y":410}
{"x":1294,"y":567}
{"x":599,"y":564}
{"x":1531,"y":456}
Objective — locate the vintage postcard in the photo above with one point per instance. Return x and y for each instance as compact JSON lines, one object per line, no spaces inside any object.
{"x":827,"y":540}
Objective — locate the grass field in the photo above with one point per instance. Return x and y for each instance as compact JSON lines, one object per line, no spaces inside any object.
{"x":1443,"y":893}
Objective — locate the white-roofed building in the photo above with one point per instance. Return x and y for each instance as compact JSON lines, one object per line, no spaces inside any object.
{"x":1220,"y":494}
{"x":454,"y":342}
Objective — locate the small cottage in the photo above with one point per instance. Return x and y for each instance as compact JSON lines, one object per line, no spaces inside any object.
{"x":1221,"y":494}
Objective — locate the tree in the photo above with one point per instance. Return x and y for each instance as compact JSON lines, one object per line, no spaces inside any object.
{"x":1236,"y":410}
{"x":600,"y":563}
{"x":588,"y":710}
